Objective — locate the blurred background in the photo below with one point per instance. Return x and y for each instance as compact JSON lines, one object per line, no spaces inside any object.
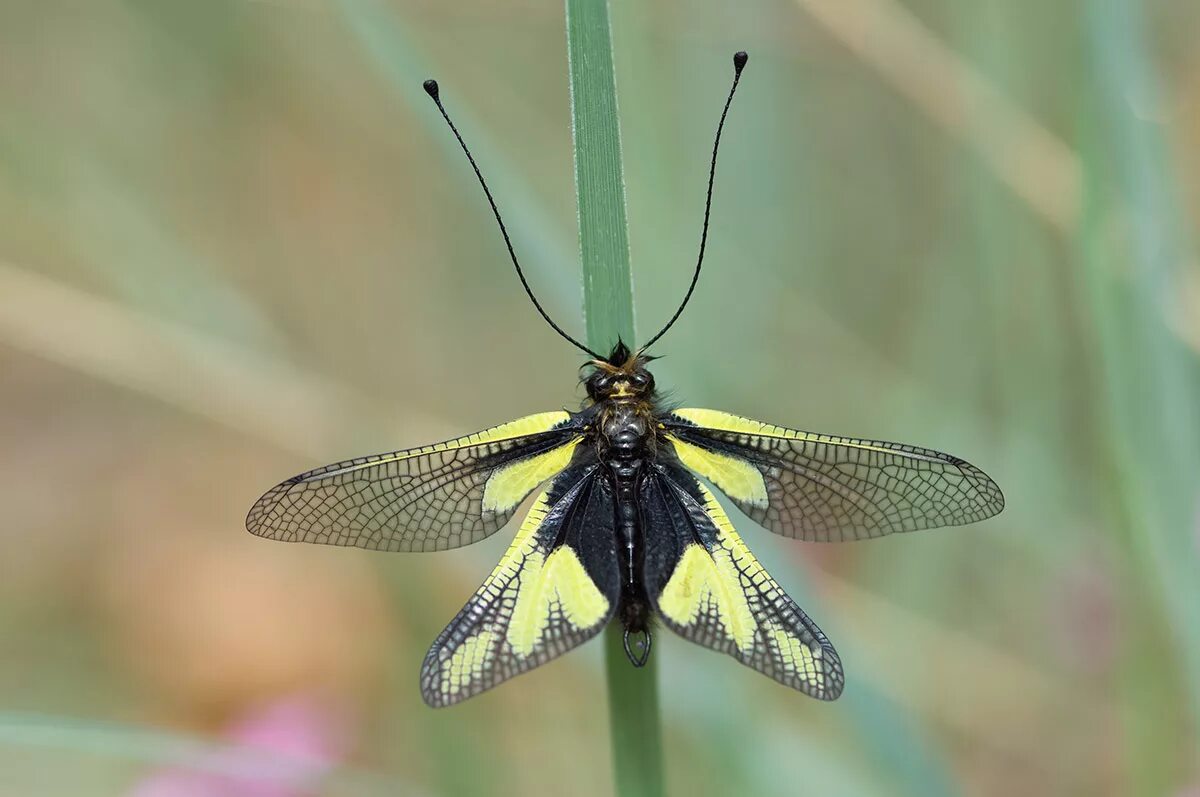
{"x":236,"y":242}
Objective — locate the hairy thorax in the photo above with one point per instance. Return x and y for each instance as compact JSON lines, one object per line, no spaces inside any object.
{"x":626,"y":430}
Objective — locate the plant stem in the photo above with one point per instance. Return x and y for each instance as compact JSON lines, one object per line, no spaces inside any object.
{"x":608,"y":309}
{"x":599,"y":181}
{"x":634,"y":720}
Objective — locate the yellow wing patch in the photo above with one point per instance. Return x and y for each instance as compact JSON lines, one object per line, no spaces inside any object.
{"x":719,"y":596}
{"x":795,"y":657}
{"x":536,"y":603}
{"x":790,"y":653}
{"x":559,"y":585}
{"x":509,"y":485}
{"x":530,"y":424}
{"x":727,"y":422}
{"x":737,"y":478}
{"x":825,"y":488}
{"x":466,"y":662}
{"x":431,"y":498}
{"x":704,"y":583}
{"x":548,"y":585}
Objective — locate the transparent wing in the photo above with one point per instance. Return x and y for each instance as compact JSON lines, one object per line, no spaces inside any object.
{"x":825,"y":488}
{"x":554,"y":589}
{"x":424,"y":499}
{"x":709,"y":589}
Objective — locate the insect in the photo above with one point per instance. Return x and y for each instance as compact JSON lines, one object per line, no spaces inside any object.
{"x":624,"y":530}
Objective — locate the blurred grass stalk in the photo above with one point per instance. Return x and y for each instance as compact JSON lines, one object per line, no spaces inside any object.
{"x":396,"y":49}
{"x":1133,"y":251}
{"x":608,"y":309}
{"x":1040,"y":168}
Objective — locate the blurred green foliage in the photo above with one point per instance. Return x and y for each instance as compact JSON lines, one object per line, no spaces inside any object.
{"x":235,"y":242}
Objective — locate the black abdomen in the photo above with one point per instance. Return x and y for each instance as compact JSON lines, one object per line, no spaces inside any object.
{"x":626,"y":453}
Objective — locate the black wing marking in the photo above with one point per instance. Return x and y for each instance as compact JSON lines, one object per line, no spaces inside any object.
{"x":423,"y":499}
{"x":709,"y":588}
{"x":825,"y":488}
{"x":555,"y":588}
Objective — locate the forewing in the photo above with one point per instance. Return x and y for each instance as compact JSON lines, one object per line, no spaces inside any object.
{"x":555,"y":588}
{"x":423,"y":499}
{"x":709,"y":588}
{"x":824,"y":488}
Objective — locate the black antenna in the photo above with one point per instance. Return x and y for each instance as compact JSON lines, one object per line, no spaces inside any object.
{"x":431,"y":88}
{"x":739,"y":61}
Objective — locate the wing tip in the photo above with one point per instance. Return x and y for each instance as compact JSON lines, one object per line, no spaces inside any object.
{"x":261,"y":509}
{"x":431,"y":675}
{"x":829,"y":693}
{"x":834,"y":674}
{"x":435,"y":699}
{"x":986,"y":487}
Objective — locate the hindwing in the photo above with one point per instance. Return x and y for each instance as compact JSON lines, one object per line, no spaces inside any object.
{"x":709,"y":588}
{"x":555,"y":588}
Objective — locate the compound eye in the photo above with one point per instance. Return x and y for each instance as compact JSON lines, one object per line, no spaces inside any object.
{"x":639,"y":380}
{"x":604,"y":384}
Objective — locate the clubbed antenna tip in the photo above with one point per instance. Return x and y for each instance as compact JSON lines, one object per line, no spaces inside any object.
{"x":431,"y":88}
{"x":739,"y":61}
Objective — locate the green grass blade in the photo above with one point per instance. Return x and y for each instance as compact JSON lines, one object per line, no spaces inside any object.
{"x":608,"y":307}
{"x":1134,"y":245}
{"x":634,"y":719}
{"x":599,"y":180}
{"x":1150,"y":376}
{"x":395,"y":49}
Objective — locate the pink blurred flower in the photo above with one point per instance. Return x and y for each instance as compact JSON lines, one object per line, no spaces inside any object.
{"x":277,"y":750}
